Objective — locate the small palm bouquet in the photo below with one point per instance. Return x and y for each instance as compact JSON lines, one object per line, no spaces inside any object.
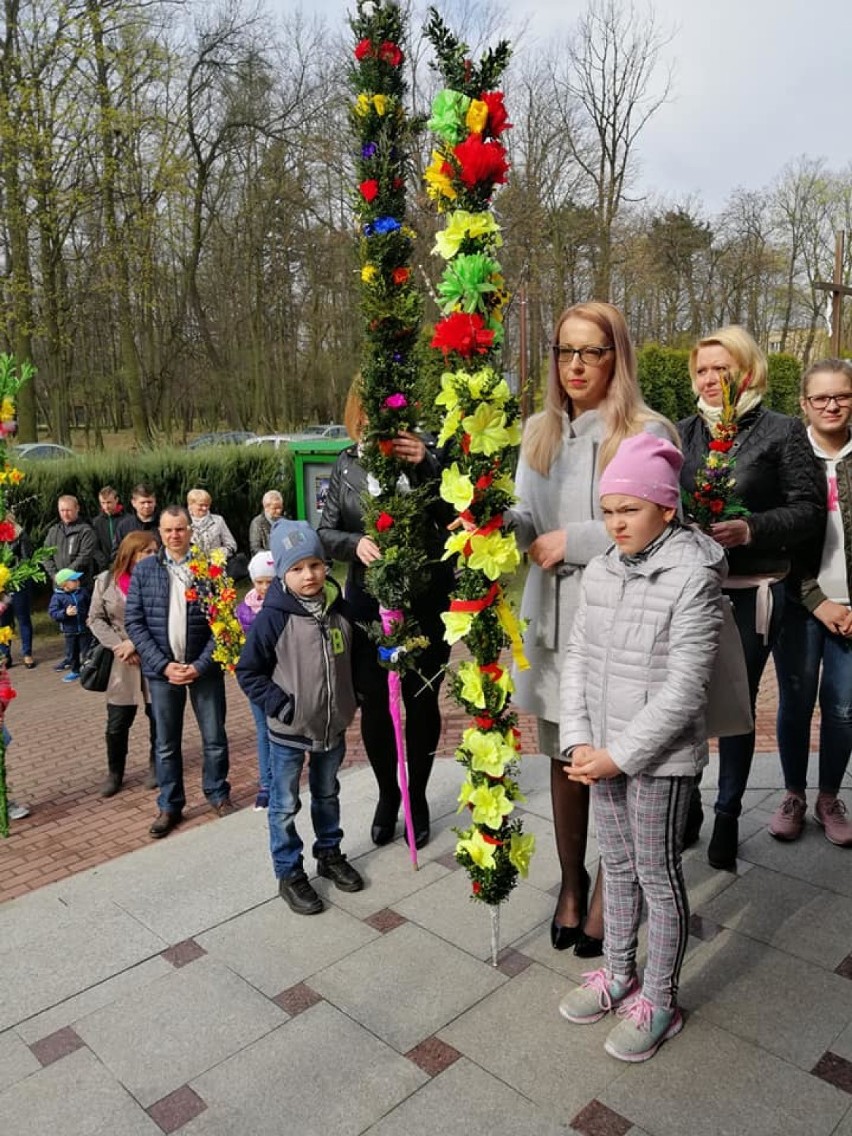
{"x":714,"y":497}
{"x":214,"y":592}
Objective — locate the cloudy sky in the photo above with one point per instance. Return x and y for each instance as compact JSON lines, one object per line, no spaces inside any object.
{"x":756,"y":83}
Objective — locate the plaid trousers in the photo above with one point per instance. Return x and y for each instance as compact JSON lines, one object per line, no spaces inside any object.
{"x":640,"y":823}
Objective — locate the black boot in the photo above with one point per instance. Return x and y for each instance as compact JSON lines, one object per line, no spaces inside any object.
{"x":722,"y":850}
{"x":694,"y":818}
{"x":116,"y":745}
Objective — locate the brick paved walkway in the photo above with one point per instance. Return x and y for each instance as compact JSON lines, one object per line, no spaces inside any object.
{"x":57,"y":762}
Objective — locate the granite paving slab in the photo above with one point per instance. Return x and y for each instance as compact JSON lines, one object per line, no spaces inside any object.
{"x":156,"y":1039}
{"x":16,"y":1060}
{"x":465,"y":1098}
{"x":811,"y":857}
{"x":406,"y":984}
{"x":842,"y":1045}
{"x":706,"y":1082}
{"x":388,"y":877}
{"x":518,"y":1035}
{"x":767,"y":997}
{"x":272,"y":948}
{"x":320,"y":1073}
{"x":446,"y":909}
{"x":73,"y":1097}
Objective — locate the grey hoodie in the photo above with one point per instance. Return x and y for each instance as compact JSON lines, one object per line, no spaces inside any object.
{"x":642,"y":648}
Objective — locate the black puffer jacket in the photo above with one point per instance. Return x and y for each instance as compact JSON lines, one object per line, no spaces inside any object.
{"x":779,"y":480}
{"x":342,"y":527}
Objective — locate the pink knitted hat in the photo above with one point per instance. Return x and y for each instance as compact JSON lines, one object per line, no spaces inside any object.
{"x":645,"y":466}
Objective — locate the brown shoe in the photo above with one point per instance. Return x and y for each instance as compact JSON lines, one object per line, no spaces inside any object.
{"x":224,"y":807}
{"x":164,"y":824}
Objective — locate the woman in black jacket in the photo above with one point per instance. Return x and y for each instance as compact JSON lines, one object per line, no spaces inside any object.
{"x":778,"y":480}
{"x":341,"y":530}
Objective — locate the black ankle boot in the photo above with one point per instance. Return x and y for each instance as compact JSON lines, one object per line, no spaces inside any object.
{"x":722,"y":850}
{"x":383,"y":828}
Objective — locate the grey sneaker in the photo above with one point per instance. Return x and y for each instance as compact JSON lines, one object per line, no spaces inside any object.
{"x":642,"y":1030}
{"x":596,"y":997}
{"x":17,"y":812}
{"x":788,"y":820}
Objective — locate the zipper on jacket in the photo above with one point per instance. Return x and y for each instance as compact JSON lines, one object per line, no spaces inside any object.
{"x":605,"y":714}
{"x":326,"y":652}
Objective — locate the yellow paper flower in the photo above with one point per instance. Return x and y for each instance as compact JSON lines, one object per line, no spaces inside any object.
{"x":456,"y":487}
{"x":7,"y":409}
{"x":457,"y":624}
{"x":487,"y":430}
{"x":471,"y":685}
{"x":455,"y":544}
{"x":505,"y":483}
{"x":479,"y":850}
{"x":438,"y":183}
{"x":477,"y":116}
{"x":5,"y":634}
{"x":14,"y":476}
{"x":465,"y":793}
{"x":479,"y":381}
{"x":449,"y":396}
{"x":500,"y":393}
{"x":487,"y":752}
{"x":380,"y":102}
{"x":362,"y":105}
{"x":490,"y":805}
{"x":494,"y":554}
{"x":521,"y":848}
{"x":451,"y":425}
{"x":369,"y":273}
{"x":5,"y":576}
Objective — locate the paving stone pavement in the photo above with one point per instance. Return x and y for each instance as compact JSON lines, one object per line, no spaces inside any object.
{"x":170,"y":990}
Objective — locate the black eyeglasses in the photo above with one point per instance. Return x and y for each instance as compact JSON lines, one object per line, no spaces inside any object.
{"x":821,"y":401}
{"x":589,"y":355}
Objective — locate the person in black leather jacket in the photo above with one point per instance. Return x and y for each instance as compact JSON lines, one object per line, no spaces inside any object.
{"x":341,"y":530}
{"x":779,"y":481}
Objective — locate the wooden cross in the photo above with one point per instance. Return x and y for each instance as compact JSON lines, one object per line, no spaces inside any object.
{"x":837,"y":289}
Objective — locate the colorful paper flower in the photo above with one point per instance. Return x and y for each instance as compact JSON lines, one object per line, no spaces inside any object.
{"x":439,"y":178}
{"x":498,"y":119}
{"x":390,"y":53}
{"x":461,"y":226}
{"x":478,"y":848}
{"x":481,"y":162}
{"x":521,"y":849}
{"x":363,"y":49}
{"x":477,"y":116}
{"x":369,"y":273}
{"x":384,"y":521}
{"x":466,"y":279}
{"x":456,"y":487}
{"x":457,"y":624}
{"x":369,"y":189}
{"x":490,"y":806}
{"x":401,"y":275}
{"x":448,"y":116}
{"x":494,"y":555}
{"x":464,"y":334}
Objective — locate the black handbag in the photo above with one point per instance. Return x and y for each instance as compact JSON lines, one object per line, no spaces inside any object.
{"x":96,"y":668}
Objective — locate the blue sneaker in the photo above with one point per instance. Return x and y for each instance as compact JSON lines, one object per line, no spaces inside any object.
{"x":72,"y":676}
{"x":261,"y":801}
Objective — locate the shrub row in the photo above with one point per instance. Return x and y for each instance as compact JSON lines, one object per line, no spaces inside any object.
{"x":236,"y":477}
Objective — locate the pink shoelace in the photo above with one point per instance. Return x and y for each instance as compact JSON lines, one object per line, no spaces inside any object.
{"x":639,"y":1011}
{"x":598,"y":981}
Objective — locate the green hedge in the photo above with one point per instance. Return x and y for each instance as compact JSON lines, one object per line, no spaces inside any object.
{"x":236,"y":477}
{"x":785,"y":376}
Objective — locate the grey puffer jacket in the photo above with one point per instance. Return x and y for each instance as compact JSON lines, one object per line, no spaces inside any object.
{"x":642,"y":649}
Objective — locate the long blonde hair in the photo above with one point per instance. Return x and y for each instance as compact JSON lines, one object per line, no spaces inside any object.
{"x":624,"y":410}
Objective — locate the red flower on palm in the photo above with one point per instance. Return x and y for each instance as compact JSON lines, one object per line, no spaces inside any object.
{"x":498,"y":119}
{"x":481,"y":162}
{"x":465,"y":334}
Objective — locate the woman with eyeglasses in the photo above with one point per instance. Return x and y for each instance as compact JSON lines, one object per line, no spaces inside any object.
{"x":779,"y":482}
{"x":814,"y":650}
{"x":592,"y":402}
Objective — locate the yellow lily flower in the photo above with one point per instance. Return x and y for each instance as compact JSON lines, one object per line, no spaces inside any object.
{"x":479,"y":850}
{"x":456,"y":488}
{"x":490,"y":805}
{"x":451,"y":425}
{"x":521,"y":848}
{"x":494,"y":554}
{"x":449,"y":396}
{"x":487,"y":429}
{"x":472,"y":690}
{"x":488,"y":754}
{"x":457,"y":624}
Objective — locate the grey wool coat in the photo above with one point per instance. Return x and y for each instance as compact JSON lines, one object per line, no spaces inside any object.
{"x":641,"y":653}
{"x":567,"y":498}
{"x":106,"y":622}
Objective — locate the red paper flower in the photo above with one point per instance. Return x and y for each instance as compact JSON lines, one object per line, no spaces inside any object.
{"x":464,"y":333}
{"x":384,"y":521}
{"x":7,"y":531}
{"x":363,"y":49}
{"x":476,"y":887}
{"x":717,"y":506}
{"x":215,"y":571}
{"x":369,"y":189}
{"x":191,"y":595}
{"x":721,"y":447}
{"x":481,"y":162}
{"x":389,"y":53}
{"x":498,"y":119}
{"x":386,"y":447}
{"x":400,"y":275}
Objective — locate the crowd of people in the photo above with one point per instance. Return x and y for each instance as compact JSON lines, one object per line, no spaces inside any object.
{"x":625,"y":601}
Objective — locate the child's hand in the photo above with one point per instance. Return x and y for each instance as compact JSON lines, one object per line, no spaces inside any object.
{"x":71,"y":609}
{"x":589,"y":765}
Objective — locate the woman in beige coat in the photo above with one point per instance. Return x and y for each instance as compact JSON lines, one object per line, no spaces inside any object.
{"x":126,"y":690}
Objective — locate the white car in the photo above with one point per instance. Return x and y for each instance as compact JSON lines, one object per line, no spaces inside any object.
{"x":275,"y":441}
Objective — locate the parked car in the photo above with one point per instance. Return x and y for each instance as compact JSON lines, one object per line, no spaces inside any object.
{"x":222,"y":438}
{"x":275,"y":441}
{"x":40,"y":451}
{"x":329,"y":430}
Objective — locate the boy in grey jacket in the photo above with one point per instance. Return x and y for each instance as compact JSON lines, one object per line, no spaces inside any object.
{"x":297,"y":665}
{"x":634,"y":696}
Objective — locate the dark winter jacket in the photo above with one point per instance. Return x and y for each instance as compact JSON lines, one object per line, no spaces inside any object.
{"x":299,"y":668}
{"x":341,"y":527}
{"x":105,"y":529}
{"x":812,"y":594}
{"x":131,"y":523}
{"x":60,"y":600}
{"x":76,"y":548}
{"x":779,"y":480}
{"x":146,"y":621}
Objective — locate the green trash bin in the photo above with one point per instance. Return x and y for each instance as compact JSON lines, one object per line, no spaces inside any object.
{"x":313,"y":461}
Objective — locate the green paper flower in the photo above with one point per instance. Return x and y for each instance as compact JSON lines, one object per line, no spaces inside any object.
{"x":466,"y":280}
{"x":448,"y":116}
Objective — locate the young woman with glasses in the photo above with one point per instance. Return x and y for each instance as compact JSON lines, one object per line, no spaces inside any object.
{"x":592,"y":402}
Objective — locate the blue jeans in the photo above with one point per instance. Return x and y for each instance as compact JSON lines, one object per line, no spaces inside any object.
{"x":285,"y":844}
{"x":803,"y":645}
{"x":735,"y":754}
{"x":264,"y":772}
{"x":168,"y":703}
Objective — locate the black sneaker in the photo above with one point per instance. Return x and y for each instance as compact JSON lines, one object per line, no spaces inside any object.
{"x":299,"y":896}
{"x":335,"y":867}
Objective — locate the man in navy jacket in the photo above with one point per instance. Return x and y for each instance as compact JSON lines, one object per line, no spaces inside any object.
{"x":175,"y":646}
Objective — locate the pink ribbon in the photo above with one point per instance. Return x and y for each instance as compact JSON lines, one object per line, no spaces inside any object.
{"x":391,"y":618}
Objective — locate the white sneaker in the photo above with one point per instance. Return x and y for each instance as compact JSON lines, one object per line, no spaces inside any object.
{"x":17,"y":812}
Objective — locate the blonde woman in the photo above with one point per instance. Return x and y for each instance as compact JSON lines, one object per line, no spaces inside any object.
{"x":779,"y":481}
{"x":209,"y":530}
{"x":592,"y":402}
